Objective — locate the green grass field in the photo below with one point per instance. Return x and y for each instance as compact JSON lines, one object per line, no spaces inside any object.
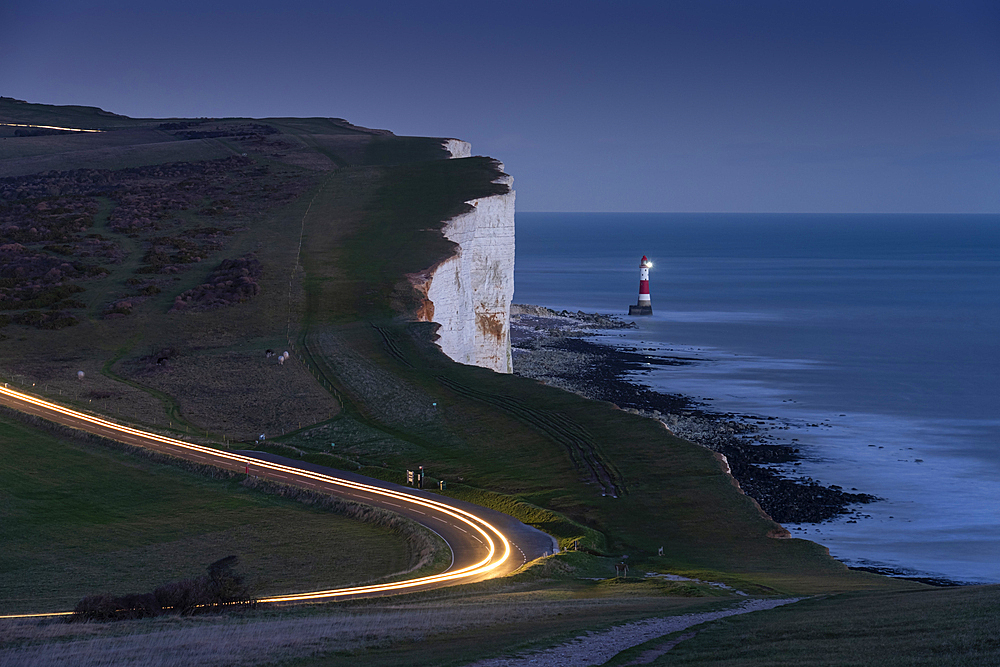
{"x":946,"y":628}
{"x":82,"y":519}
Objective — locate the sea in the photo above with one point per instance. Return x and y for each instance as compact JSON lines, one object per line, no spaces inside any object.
{"x":872,"y":340}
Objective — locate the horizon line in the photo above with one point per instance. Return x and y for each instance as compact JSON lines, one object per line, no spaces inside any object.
{"x":982,"y":213}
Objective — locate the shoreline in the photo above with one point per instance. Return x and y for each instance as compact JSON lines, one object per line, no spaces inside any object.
{"x":549,"y":346}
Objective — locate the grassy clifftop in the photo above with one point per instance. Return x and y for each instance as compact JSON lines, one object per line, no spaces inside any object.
{"x":164,"y":257}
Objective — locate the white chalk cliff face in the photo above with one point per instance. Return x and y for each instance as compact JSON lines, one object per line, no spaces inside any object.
{"x":469,"y":294}
{"x":458,"y":148}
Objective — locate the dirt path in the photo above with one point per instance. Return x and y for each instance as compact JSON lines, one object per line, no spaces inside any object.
{"x":596,"y":648}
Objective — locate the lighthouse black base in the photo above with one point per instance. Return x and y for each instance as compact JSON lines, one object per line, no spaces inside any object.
{"x":640,"y":310}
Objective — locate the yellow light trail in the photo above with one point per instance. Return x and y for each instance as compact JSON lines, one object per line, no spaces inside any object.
{"x":49,"y":127}
{"x":479,"y":525}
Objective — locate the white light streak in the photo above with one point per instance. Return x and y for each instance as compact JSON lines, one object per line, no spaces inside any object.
{"x":49,"y":127}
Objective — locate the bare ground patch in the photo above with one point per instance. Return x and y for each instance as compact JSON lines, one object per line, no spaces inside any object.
{"x":58,"y":379}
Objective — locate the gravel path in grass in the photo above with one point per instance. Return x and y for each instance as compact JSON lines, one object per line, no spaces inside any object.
{"x":596,"y":648}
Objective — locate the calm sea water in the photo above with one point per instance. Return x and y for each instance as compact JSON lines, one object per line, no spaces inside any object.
{"x":882,"y":329}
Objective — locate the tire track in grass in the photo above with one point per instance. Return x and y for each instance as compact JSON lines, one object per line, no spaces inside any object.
{"x":584,"y":452}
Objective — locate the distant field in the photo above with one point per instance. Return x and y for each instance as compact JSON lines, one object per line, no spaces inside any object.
{"x":105,"y":157}
{"x":78,"y":520}
{"x":15,"y":148}
{"x":943,"y":628}
{"x":129,"y":244}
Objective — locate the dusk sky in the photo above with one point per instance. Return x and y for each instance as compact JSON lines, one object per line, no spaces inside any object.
{"x":733,"y":106}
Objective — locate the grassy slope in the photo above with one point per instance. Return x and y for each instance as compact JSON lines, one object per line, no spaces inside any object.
{"x":75,"y":116}
{"x":941,"y":628}
{"x":127,"y":547}
{"x":501,"y":432}
{"x":77,"y":520}
{"x":206,"y":341}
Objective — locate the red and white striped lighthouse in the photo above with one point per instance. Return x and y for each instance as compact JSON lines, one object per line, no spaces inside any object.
{"x":644,"y":307}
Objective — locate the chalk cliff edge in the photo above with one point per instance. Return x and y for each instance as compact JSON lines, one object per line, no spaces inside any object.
{"x":469,"y":294}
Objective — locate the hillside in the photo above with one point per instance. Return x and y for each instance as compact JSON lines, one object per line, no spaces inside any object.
{"x":163,"y":258}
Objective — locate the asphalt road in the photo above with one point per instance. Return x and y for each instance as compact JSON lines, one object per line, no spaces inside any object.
{"x":484,"y":543}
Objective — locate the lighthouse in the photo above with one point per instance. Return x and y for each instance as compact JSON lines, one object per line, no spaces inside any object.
{"x":644,"y":307}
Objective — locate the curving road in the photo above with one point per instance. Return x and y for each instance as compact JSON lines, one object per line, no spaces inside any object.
{"x":484,"y":543}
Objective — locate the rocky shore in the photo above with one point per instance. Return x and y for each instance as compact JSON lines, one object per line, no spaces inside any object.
{"x":549,"y":346}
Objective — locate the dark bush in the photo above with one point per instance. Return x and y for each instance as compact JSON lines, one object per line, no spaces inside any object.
{"x":111,"y":608}
{"x":234,"y":281}
{"x":39,"y":297}
{"x":51,"y":320}
{"x":220,"y":587}
{"x":31,"y":318}
{"x":182,"y":597}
